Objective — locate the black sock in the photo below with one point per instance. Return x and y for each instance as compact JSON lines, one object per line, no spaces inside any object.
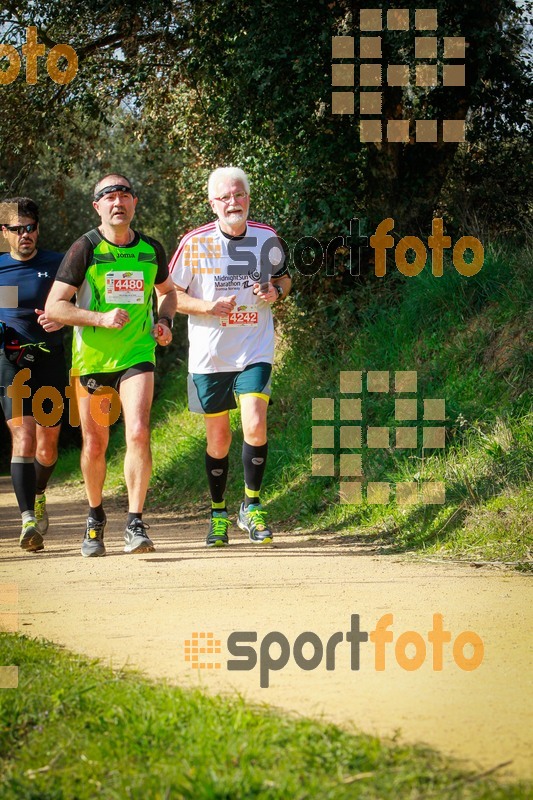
{"x":217,"y":476}
{"x":23,"y":478}
{"x":42,"y":475}
{"x":254,"y":463}
{"x":133,"y":515}
{"x":97,"y":513}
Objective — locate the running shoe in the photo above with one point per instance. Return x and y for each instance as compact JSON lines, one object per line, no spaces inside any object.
{"x":218,"y":529}
{"x":136,"y":538}
{"x":41,"y":514}
{"x":30,"y":538}
{"x":93,"y":541}
{"x":252,"y":519}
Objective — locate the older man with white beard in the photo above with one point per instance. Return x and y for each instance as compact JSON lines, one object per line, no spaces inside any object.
{"x":231,"y":342}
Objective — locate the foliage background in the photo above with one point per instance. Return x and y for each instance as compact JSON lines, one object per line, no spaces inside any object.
{"x":166,"y":91}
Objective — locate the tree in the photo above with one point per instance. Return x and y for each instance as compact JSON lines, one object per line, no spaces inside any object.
{"x":237,"y":81}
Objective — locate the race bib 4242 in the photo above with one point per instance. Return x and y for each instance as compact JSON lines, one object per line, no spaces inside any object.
{"x":243,"y":315}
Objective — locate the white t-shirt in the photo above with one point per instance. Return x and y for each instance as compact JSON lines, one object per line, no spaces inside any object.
{"x":200,"y":265}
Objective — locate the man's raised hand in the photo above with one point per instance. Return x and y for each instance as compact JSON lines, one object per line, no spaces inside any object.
{"x":46,"y":323}
{"x":116,"y":318}
{"x":223,"y":306}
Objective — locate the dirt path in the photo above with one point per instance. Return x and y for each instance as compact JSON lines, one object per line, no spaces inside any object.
{"x":140,"y":610}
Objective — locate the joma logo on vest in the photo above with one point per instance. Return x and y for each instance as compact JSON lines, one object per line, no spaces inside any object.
{"x":32,"y":50}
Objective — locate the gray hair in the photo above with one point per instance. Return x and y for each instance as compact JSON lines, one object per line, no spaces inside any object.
{"x":226,"y":173}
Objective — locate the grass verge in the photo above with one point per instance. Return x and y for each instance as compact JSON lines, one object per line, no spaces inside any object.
{"x":76,"y":730}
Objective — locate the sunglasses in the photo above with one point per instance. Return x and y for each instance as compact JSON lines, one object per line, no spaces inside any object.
{"x":20,"y":229}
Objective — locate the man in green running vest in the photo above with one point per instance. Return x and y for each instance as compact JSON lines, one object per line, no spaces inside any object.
{"x":114,"y":271}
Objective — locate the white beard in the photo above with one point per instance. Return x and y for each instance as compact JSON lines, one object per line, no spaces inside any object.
{"x":235,"y":217}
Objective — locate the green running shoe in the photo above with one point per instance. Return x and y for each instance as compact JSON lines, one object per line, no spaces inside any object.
{"x":93,"y":541}
{"x":252,"y":519}
{"x":41,"y":514}
{"x":218,"y":530}
{"x":30,"y":538}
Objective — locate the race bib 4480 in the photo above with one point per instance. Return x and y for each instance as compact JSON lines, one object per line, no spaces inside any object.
{"x":124,"y":287}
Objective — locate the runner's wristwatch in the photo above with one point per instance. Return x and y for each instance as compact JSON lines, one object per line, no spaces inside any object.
{"x":170,"y":322}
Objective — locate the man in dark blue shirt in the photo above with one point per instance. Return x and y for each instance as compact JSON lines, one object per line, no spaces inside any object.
{"x":31,"y":357}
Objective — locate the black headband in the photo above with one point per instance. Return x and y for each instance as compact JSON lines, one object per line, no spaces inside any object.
{"x":117,"y":187}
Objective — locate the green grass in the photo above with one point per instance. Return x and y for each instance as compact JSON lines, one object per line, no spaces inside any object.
{"x":74,"y":730}
{"x":469,"y":341}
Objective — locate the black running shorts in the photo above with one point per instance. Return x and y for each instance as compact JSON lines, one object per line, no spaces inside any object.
{"x":46,"y":381}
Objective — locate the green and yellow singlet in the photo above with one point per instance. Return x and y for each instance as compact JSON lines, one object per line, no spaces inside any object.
{"x":109,"y":276}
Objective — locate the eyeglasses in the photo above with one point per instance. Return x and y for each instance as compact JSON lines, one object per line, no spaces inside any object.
{"x":20,"y":229}
{"x":227,"y":197}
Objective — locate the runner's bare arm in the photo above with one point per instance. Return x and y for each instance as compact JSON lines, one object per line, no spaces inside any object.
{"x":166,"y":309}
{"x":271,"y":294}
{"x":166,"y":299}
{"x":285,"y":282}
{"x":58,"y":308}
{"x":193,"y":305}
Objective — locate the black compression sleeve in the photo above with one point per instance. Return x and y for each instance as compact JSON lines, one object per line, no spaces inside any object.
{"x":162,"y":263}
{"x":75,"y":263}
